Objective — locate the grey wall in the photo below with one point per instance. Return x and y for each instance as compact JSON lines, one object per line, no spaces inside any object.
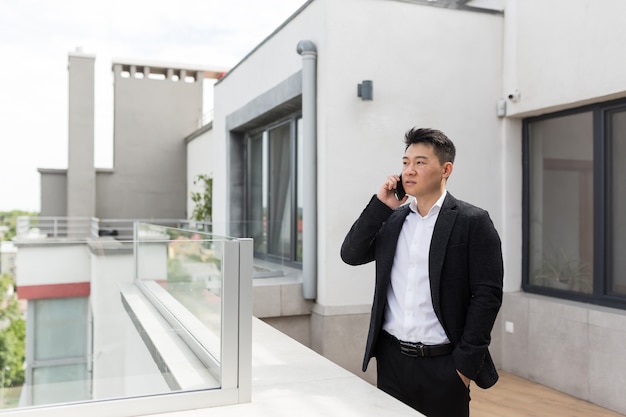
{"x":71,"y":192}
{"x":81,"y":176}
{"x":53,"y":192}
{"x":573,"y":347}
{"x":154,"y":109}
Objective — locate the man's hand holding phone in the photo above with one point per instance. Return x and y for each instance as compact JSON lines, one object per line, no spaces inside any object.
{"x":392,"y":192}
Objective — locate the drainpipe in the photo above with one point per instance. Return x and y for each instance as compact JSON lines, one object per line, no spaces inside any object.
{"x":308,"y":51}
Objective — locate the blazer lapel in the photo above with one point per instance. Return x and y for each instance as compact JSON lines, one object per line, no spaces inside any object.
{"x":393,"y":227}
{"x":396,"y":221}
{"x":441,"y":235}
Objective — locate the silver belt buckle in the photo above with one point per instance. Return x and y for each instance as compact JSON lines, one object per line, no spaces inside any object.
{"x":413,"y":350}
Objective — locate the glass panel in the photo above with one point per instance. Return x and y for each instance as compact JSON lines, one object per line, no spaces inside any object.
{"x":54,"y":384}
{"x":257,"y":191}
{"x":618,"y":206}
{"x":121,"y":338}
{"x":300,"y":187}
{"x":561,"y":202}
{"x":279,"y":224}
{"x":60,"y":328}
{"x":182,"y":270}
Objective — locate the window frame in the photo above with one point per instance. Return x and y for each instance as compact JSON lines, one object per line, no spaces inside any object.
{"x":292,"y":119}
{"x":602,"y":274}
{"x":33,"y":363}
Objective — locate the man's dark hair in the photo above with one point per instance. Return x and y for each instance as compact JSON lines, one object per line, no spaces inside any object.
{"x":442,"y":146}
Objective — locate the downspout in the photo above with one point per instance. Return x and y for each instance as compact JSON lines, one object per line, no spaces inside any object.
{"x":308,"y":51}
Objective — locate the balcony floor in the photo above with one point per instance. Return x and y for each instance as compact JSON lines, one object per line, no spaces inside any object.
{"x":290,"y":379}
{"x":513,"y":396}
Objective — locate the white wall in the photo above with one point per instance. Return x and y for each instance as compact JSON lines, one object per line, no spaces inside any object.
{"x":510,"y":168}
{"x":566,"y":52}
{"x":431,"y":67}
{"x":199,"y":161}
{"x":53,"y":264}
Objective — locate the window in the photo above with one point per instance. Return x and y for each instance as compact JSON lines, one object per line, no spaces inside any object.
{"x":57,"y":370}
{"x":274,"y":192}
{"x":574,"y":221}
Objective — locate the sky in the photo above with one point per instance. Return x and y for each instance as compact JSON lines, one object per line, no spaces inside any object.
{"x":36,"y":37}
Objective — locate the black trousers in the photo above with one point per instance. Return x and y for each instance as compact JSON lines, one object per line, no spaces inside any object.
{"x":430,"y":385}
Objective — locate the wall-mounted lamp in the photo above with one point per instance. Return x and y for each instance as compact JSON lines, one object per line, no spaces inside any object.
{"x":365,"y":90}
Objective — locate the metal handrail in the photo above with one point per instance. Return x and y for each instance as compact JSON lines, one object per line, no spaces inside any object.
{"x":91,"y":227}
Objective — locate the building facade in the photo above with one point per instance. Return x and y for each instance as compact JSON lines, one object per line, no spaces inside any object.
{"x":534,"y":104}
{"x":155,"y":105}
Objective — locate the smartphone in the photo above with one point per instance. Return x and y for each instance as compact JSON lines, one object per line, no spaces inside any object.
{"x":399,"y":192}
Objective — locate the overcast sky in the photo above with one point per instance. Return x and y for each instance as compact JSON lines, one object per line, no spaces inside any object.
{"x":37,"y":35}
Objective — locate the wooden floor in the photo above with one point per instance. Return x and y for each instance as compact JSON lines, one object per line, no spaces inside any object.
{"x":513,"y":396}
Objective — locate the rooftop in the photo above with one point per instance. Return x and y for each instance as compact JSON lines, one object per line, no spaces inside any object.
{"x":289,"y":379}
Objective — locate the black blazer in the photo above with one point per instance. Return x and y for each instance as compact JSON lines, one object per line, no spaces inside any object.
{"x":465,"y":270}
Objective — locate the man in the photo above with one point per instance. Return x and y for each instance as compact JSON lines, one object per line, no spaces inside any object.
{"x":438,"y":282}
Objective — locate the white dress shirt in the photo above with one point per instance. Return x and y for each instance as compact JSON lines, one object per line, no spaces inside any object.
{"x":409,"y":314}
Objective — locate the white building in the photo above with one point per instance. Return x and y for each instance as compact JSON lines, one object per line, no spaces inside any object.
{"x":530,"y":92}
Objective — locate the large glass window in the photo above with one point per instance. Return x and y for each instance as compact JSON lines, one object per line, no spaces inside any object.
{"x":574,"y":222}
{"x":274,"y":194}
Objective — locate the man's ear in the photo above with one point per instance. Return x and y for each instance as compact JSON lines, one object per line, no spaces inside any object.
{"x":447,"y":169}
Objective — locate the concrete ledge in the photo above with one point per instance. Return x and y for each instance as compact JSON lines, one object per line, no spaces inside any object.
{"x":280,"y":296}
{"x":289,"y":379}
{"x":180,"y":367}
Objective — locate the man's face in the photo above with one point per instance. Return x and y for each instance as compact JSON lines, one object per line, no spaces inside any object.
{"x":422,"y":173}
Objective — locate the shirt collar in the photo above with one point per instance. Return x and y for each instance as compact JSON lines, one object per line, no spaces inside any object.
{"x":434,"y":209}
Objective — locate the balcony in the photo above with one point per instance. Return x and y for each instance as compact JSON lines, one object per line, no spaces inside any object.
{"x":165,"y":324}
{"x":143,"y":321}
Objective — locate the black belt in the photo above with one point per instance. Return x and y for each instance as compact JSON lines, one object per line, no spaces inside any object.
{"x":419,"y":350}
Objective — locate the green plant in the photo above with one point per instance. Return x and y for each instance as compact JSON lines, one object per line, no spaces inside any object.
{"x":8,"y":219}
{"x":203,"y":200}
{"x":176,"y":271}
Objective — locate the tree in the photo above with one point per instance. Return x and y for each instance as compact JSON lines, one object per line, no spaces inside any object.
{"x":9,"y":219}
{"x":12,"y":334}
{"x":203,"y":200}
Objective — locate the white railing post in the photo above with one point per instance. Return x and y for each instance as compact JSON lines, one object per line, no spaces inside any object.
{"x":236,"y":351}
{"x":246,"y":272}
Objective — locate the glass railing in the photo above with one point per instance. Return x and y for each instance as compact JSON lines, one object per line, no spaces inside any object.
{"x":180,"y":272}
{"x":283,"y":261}
{"x":160,"y":322}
